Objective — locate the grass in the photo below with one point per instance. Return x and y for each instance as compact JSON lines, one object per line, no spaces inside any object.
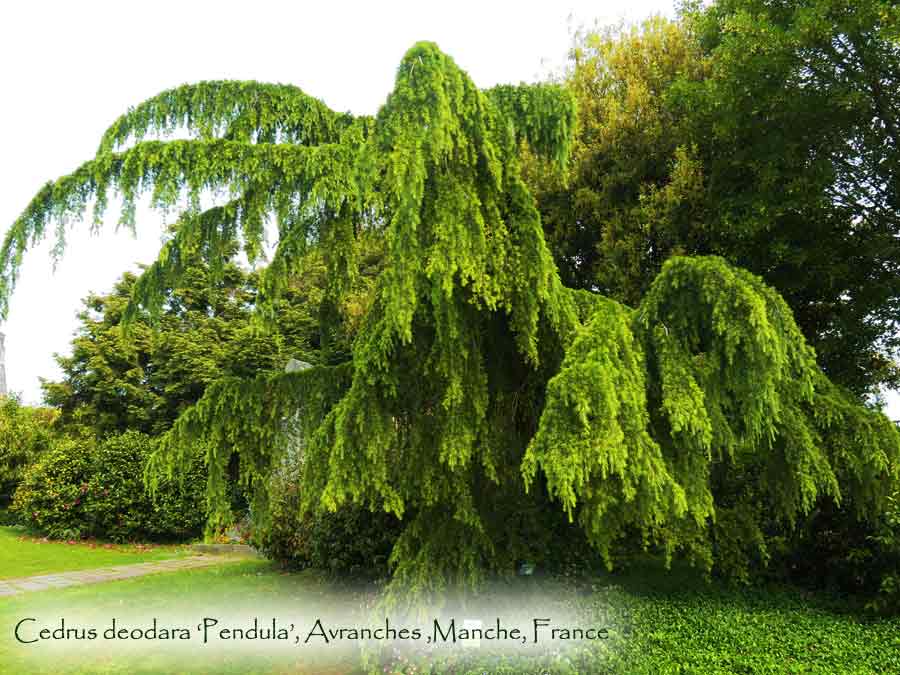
{"x":659,"y":623}
{"x":235,"y":593}
{"x":22,"y":555}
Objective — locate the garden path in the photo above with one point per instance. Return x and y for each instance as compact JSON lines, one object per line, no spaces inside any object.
{"x":44,"y":582}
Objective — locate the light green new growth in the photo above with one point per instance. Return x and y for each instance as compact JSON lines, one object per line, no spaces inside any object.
{"x":477,"y":382}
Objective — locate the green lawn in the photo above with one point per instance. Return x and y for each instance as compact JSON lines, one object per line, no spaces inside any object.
{"x":659,"y":623}
{"x":234,"y":593}
{"x":23,"y":556}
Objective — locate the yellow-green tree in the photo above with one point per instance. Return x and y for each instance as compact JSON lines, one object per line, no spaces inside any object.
{"x":763,"y":132}
{"x":479,"y":386}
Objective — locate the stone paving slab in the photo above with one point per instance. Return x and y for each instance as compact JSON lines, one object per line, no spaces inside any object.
{"x":44,"y":582}
{"x":225,"y":548}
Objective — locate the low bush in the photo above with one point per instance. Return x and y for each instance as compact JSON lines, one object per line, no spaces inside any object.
{"x":51,"y":496}
{"x":352,"y":541}
{"x":836,"y":551}
{"x":84,"y":489}
{"x":886,"y":544}
{"x":25,"y":434}
{"x":358,"y":542}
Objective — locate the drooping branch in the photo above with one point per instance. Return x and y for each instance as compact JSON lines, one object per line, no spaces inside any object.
{"x":862,"y":445}
{"x":727,"y":353}
{"x":255,"y":418}
{"x":593,"y":442}
{"x":710,"y":370}
{"x":541,"y":114}
{"x":324,"y":173}
{"x":214,"y":234}
{"x":234,"y":110}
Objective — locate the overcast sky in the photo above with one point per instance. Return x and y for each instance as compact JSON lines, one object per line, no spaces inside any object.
{"x":69,"y":69}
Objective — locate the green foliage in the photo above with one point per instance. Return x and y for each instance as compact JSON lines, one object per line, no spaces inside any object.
{"x":732,"y":389}
{"x":82,"y":489}
{"x":25,"y":434}
{"x":762,"y":132}
{"x":886,"y":541}
{"x":250,"y":414}
{"x":142,"y":378}
{"x":119,"y":508}
{"x":351,"y":541}
{"x":51,"y":496}
{"x":471,"y":367}
{"x":838,"y":551}
{"x":241,"y":111}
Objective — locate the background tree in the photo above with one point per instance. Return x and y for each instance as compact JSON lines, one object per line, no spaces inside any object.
{"x":763,"y":132}
{"x":142,"y":378}
{"x":479,"y":388}
{"x":634,"y":195}
{"x":139,"y":375}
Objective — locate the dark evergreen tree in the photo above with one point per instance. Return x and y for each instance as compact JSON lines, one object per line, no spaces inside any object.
{"x":142,"y":378}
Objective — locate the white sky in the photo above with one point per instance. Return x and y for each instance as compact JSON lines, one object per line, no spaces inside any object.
{"x":69,"y":69}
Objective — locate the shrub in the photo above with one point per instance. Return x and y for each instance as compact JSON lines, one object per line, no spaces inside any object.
{"x":51,"y":495}
{"x":82,"y":489}
{"x":886,"y":544}
{"x":358,"y":542}
{"x":835,"y":550}
{"x":119,"y":507}
{"x":25,"y":433}
{"x":351,"y":541}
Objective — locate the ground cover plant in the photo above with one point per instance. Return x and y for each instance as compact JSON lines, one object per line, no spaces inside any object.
{"x":23,"y":554}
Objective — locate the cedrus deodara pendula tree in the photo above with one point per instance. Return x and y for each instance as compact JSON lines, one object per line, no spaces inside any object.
{"x":478,"y":384}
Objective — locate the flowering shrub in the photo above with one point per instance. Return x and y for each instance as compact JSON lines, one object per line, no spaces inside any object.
{"x":82,"y":489}
{"x":50,"y":497}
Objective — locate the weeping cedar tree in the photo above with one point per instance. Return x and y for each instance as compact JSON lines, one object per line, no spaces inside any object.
{"x":478,"y":384}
